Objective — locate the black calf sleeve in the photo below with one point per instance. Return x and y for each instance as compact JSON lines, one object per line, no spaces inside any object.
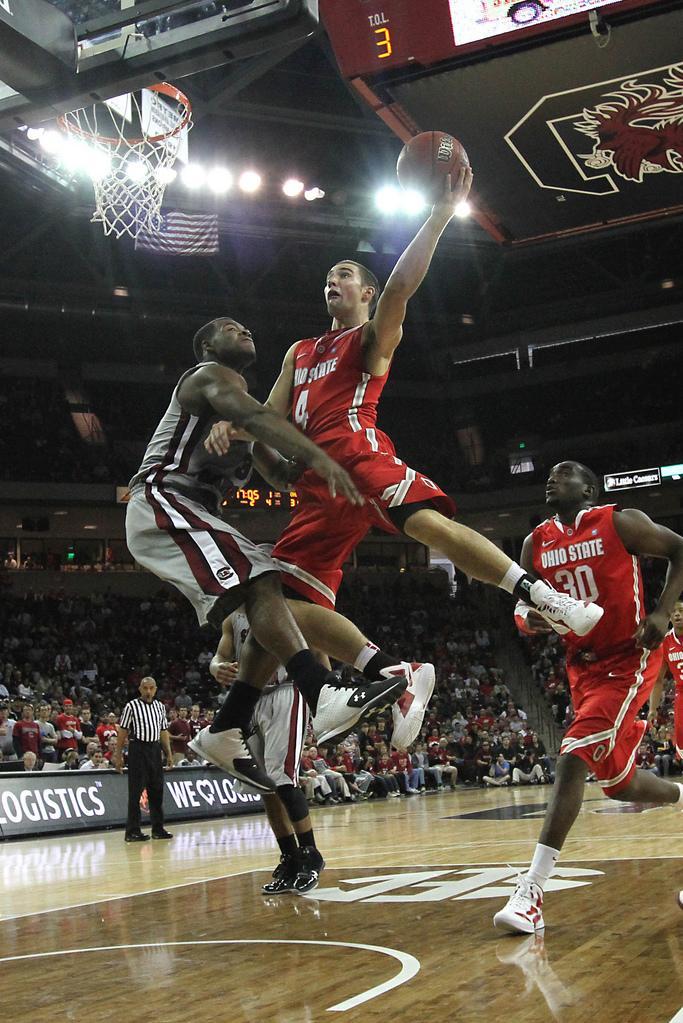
{"x":294,"y":802}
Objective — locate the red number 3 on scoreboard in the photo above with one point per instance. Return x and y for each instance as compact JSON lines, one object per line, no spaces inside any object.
{"x":383,"y":42}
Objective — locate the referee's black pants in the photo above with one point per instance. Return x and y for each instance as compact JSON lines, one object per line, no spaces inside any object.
{"x":145,"y":772}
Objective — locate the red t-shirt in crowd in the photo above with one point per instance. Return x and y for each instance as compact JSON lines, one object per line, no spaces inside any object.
{"x":66,"y":725}
{"x":181,"y":733}
{"x":103,"y":732}
{"x":196,"y":725}
{"x":401,"y":761}
{"x":28,"y":733}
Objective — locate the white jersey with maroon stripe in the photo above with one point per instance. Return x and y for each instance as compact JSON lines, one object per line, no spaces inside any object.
{"x":176,"y":458}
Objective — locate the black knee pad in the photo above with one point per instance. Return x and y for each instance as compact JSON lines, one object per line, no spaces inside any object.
{"x":294,"y":802}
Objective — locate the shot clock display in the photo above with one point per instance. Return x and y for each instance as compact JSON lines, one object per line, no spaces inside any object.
{"x":262,"y":497}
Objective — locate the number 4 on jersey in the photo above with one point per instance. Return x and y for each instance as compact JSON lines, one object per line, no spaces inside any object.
{"x":301,"y":410}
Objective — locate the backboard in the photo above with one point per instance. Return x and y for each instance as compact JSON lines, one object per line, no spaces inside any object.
{"x":121,"y":46}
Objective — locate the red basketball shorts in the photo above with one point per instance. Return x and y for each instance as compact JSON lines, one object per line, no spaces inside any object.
{"x":324,"y":531}
{"x":606,"y":731}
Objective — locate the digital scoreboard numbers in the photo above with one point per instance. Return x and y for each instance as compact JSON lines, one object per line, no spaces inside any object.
{"x":263,"y":498}
{"x":374,"y":35}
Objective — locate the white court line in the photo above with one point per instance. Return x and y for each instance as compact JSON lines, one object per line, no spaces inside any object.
{"x":410,"y":966}
{"x":678,"y":1018}
{"x":125,"y":895}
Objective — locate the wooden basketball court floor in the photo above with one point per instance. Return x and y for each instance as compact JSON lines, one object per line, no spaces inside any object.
{"x":400,"y":928}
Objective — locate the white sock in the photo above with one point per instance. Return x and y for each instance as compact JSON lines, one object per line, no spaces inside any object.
{"x":542,"y":864}
{"x":365,"y":656}
{"x":511,"y":578}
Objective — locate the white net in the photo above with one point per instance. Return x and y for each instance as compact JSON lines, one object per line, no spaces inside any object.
{"x":131,"y":145}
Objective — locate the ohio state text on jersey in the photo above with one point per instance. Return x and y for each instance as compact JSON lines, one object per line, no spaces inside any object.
{"x":588,"y":560}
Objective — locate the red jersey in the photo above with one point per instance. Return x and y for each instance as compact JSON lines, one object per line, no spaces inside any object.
{"x":589,"y":561}
{"x":103,"y":732}
{"x":28,"y":734}
{"x":672,"y":646}
{"x":69,"y":728}
{"x":334,"y":398}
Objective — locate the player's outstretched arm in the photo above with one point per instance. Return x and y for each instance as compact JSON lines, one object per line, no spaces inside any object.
{"x":224,"y":390}
{"x":280,"y":397}
{"x":223,"y":665}
{"x":280,"y":472}
{"x":656,"y":696}
{"x":640,"y":535}
{"x":385,"y":330}
{"x":527,"y":620}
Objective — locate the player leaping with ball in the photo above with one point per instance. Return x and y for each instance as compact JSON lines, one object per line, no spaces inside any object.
{"x":331,"y":385}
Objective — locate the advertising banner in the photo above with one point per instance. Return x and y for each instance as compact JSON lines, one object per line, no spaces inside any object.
{"x":40,"y":803}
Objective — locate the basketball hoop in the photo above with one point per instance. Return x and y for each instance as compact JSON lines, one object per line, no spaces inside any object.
{"x":131,"y":152}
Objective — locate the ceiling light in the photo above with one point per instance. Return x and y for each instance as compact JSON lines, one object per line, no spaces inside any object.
{"x":98,"y":165}
{"x":166,"y":175}
{"x":463,"y":209}
{"x":293,"y":187}
{"x":136,"y":170}
{"x":314,"y":193}
{"x":33,"y":134}
{"x":388,"y":199}
{"x":413,"y":202}
{"x":219,"y":180}
{"x":250,"y":181}
{"x":193,"y":175}
{"x":668,"y":283}
{"x":52,"y":141}
{"x":89,"y":527}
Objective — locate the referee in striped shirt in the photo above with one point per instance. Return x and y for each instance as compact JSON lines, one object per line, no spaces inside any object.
{"x":144,"y":727}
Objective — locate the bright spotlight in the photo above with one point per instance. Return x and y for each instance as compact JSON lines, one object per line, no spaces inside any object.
{"x":463,"y":209}
{"x":75,"y":156}
{"x":33,"y":134}
{"x":388,"y":199}
{"x":293,"y":187}
{"x":250,"y":181}
{"x":311,"y":194}
{"x":99,"y":164}
{"x":136,"y":170}
{"x":52,"y":141}
{"x":219,"y":180}
{"x":413,"y":202}
{"x":166,"y":175}
{"x":193,"y":175}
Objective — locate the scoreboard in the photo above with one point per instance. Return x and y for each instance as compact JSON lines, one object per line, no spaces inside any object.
{"x":378,"y":35}
{"x":263,"y":498}
{"x":569,"y":110}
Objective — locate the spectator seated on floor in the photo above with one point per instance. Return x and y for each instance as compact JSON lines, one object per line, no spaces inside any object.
{"x":440,"y":758}
{"x":413,"y":776}
{"x":499,"y":772}
{"x":528,"y":771}
{"x":645,"y":759}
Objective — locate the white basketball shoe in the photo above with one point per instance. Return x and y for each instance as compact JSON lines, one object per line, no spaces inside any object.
{"x":342,"y":707}
{"x":523,"y":911}
{"x":229,"y":750}
{"x":560,"y":608}
{"x":409,"y":710}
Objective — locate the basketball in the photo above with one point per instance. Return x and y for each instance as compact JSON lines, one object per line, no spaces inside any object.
{"x":427,"y":159}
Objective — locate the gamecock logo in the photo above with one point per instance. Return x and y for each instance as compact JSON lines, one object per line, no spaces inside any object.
{"x":638,"y":130}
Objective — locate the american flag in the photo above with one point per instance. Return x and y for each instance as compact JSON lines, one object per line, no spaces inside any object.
{"x":182,"y":234}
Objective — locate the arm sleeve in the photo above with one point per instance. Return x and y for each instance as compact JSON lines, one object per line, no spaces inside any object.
{"x":126,"y":717}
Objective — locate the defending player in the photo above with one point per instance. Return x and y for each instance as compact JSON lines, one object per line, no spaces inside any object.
{"x":331,"y":386}
{"x":173,"y":528}
{"x":278,"y":733}
{"x":592,"y":551}
{"x":672,"y":648}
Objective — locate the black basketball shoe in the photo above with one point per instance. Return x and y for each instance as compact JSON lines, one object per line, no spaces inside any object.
{"x":311,"y":866}
{"x":284,"y":875}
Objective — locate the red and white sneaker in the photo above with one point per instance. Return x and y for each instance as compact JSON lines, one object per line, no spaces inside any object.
{"x":409,"y":710}
{"x":523,"y":911}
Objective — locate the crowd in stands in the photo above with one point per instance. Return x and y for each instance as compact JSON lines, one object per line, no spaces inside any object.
{"x":467,"y":455}
{"x":68,"y":665}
